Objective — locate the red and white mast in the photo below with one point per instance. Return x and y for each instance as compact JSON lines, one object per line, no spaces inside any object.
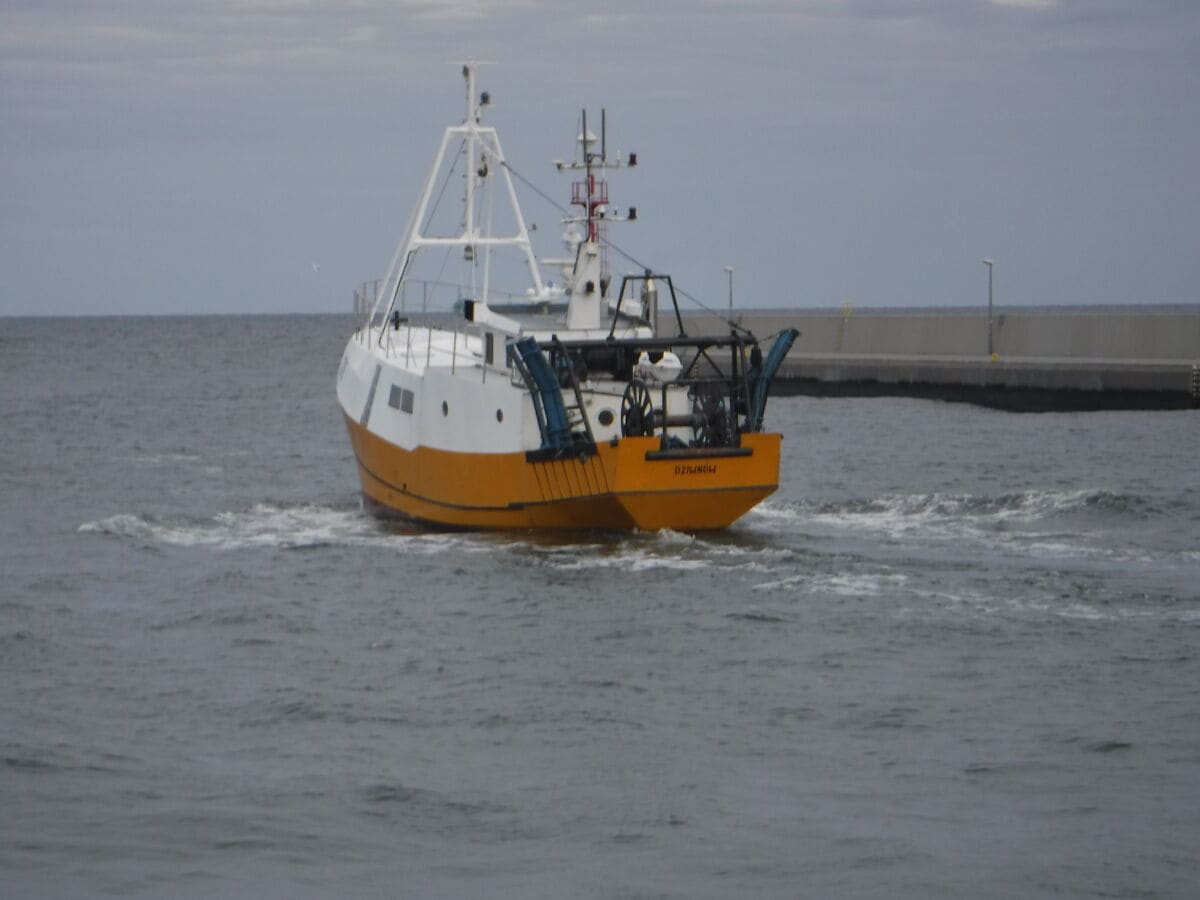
{"x":589,"y":277}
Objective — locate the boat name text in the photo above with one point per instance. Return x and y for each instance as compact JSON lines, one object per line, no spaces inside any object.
{"x":701,"y":469}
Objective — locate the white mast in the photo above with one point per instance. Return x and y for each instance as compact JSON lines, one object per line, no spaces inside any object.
{"x":485,"y":159}
{"x":472,"y":123}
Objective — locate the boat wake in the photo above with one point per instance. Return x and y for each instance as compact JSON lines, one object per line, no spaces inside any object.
{"x":842,"y":584}
{"x":266,"y":525}
{"x":656,"y":550}
{"x":271,"y":526}
{"x":1073,"y":524}
{"x":826,"y":552}
{"x":1086,"y":554}
{"x":1021,"y":506}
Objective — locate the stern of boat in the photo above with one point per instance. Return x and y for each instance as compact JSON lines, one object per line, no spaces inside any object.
{"x":694,"y":489}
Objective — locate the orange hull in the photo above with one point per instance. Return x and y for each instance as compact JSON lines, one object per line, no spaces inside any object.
{"x":629,"y":485}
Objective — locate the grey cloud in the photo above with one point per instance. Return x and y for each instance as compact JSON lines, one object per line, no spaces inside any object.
{"x":862,"y":150}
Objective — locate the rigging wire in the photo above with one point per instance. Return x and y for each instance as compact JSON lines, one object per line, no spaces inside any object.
{"x":401,"y":278}
{"x":453,"y":165}
{"x":566,"y":212}
{"x":436,"y":203}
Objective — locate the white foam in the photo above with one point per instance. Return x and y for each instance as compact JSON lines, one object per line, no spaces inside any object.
{"x":845,"y":585}
{"x":632,"y":562}
{"x":289,"y":527}
{"x":267,"y":525}
{"x":1025,"y":505}
{"x":162,"y":459}
{"x":780,"y":583}
{"x":1059,"y":549}
{"x":769,"y":509}
{"x":667,"y":536}
{"x":1005,"y":523}
{"x":1082,"y":611}
{"x":121,"y":525}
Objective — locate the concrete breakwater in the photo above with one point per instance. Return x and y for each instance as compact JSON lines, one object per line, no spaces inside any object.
{"x":1040,"y":359}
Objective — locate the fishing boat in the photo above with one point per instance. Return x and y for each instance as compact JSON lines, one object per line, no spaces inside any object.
{"x":577,"y":404}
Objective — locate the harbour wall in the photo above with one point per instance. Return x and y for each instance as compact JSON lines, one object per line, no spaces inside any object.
{"x":1041,"y":359}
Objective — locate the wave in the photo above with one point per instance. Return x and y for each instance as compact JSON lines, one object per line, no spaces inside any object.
{"x":268,"y":526}
{"x":633,"y":562}
{"x":666,"y":549}
{"x":166,"y":459}
{"x":1077,"y":524}
{"x":843,"y":584}
{"x":272,"y":526}
{"x":772,"y":543}
{"x":1030,"y":505}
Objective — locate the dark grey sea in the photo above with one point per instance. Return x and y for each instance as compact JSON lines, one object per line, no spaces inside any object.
{"x":957,"y":655}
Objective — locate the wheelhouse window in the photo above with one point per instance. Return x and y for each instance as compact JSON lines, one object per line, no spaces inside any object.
{"x":400,"y":398}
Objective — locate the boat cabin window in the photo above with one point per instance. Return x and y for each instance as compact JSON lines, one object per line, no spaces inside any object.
{"x":401,"y":399}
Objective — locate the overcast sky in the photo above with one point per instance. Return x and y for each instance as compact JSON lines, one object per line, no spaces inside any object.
{"x":263,"y":155}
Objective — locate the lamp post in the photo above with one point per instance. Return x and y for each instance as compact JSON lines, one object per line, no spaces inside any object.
{"x":729,"y":269}
{"x":989,"y":263}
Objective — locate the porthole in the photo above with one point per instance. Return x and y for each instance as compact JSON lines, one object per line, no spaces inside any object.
{"x":499,"y":415}
{"x":605,"y":417}
{"x":445,"y":408}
